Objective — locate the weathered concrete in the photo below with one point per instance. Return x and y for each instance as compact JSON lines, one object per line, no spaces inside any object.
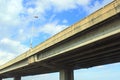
{"x":17,"y":78}
{"x":67,"y":74}
{"x":0,"y":78}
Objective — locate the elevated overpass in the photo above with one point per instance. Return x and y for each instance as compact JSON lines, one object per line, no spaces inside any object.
{"x":93,"y":41}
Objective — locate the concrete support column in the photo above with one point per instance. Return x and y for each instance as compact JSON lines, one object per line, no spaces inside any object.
{"x":17,"y":78}
{"x":0,"y":78}
{"x":67,"y":74}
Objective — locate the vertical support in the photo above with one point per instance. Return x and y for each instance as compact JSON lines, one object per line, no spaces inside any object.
{"x":17,"y":78}
{"x":0,"y":78}
{"x":67,"y":74}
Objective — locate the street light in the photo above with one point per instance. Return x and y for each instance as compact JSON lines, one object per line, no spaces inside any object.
{"x":35,"y":17}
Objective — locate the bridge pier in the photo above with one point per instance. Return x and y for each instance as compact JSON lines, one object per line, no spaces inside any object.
{"x":0,"y":78}
{"x":67,"y":74}
{"x":17,"y":78}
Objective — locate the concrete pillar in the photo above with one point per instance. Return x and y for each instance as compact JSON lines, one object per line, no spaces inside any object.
{"x":0,"y":78}
{"x":67,"y":74}
{"x":17,"y":78}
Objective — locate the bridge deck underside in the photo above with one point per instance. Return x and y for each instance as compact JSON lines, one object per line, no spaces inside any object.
{"x":98,"y":53}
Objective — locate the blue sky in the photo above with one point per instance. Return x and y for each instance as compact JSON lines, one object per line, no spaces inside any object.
{"x":18,"y":26}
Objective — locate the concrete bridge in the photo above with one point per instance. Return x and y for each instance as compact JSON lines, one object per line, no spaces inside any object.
{"x":90,"y":42}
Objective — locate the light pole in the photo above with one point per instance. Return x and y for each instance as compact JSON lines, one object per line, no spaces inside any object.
{"x":35,"y":17}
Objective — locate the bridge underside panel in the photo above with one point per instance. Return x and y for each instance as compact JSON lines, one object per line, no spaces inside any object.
{"x":93,"y":55}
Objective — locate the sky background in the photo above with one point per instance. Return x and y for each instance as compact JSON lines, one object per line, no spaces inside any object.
{"x":18,"y":26}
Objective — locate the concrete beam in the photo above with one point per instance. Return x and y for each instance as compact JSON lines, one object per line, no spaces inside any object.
{"x":17,"y":78}
{"x":67,"y":74}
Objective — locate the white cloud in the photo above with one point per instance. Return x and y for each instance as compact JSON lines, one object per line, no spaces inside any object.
{"x":62,"y":5}
{"x":9,"y":12}
{"x":10,"y":20}
{"x":52,"y":28}
{"x":65,"y":21}
{"x":10,"y":49}
{"x":41,"y":6}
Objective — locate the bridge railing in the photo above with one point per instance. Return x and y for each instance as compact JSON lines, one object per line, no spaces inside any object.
{"x":96,"y":17}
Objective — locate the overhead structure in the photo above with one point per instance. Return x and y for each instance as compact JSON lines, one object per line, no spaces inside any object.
{"x":90,"y":42}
